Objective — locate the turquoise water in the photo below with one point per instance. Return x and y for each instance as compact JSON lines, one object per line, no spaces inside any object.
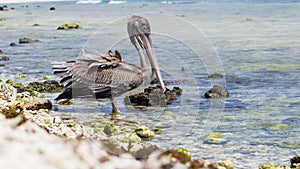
{"x":256,"y":45}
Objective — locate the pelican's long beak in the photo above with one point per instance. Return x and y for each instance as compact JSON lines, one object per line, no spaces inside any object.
{"x":146,"y":41}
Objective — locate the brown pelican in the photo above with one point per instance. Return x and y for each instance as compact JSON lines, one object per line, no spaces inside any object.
{"x":108,"y":76}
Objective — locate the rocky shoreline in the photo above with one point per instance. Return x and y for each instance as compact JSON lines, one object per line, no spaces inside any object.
{"x":30,"y":131}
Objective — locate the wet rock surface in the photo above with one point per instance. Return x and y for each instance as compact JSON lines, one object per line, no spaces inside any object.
{"x":153,"y":96}
{"x":68,"y":26}
{"x":27,"y":40}
{"x":4,"y":58}
{"x":295,"y":162}
{"x":217,"y":92}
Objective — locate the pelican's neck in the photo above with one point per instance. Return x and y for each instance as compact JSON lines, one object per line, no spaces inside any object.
{"x":145,"y":62}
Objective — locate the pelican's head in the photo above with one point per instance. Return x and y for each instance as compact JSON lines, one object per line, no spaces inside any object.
{"x":139,"y":32}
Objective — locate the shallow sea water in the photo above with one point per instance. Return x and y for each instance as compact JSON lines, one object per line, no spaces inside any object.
{"x":257,"y":46}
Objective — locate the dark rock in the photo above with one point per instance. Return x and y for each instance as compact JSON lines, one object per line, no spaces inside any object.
{"x":295,"y":162}
{"x":69,"y":26}
{"x":52,"y":9}
{"x":217,"y":92}
{"x":216,"y":75}
{"x":34,"y":25}
{"x":27,"y":40}
{"x":153,"y":96}
{"x":1,"y":64}
{"x":13,"y":44}
{"x":1,"y":8}
{"x":38,"y":104}
{"x":5,"y":58}
{"x":1,"y":52}
{"x":249,"y":19}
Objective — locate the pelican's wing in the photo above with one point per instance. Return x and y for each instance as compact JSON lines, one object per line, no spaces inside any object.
{"x":106,"y":76}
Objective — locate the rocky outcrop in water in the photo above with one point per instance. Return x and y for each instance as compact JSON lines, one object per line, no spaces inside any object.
{"x":27,"y":40}
{"x":153,"y":96}
{"x":295,"y":162}
{"x":217,"y":92}
{"x":69,"y":26}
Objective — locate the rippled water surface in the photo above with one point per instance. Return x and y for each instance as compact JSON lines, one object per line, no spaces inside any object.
{"x":256,"y":45}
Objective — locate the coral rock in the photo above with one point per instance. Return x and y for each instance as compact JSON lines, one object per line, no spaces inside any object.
{"x":38,"y":104}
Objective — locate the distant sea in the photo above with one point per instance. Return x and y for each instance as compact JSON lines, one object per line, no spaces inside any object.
{"x":181,"y":1}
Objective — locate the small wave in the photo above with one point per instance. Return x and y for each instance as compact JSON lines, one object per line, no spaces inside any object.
{"x":116,"y":2}
{"x":89,"y":2}
{"x":177,"y":2}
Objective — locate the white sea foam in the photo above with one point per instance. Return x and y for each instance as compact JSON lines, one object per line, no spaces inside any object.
{"x":89,"y":2}
{"x":116,"y":2}
{"x":25,"y":1}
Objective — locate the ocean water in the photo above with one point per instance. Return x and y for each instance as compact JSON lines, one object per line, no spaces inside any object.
{"x":255,"y":44}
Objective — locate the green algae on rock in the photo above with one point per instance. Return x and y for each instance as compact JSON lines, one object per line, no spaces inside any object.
{"x":49,"y":86}
{"x":185,"y":151}
{"x":214,"y":138}
{"x":144,"y":132}
{"x":110,"y":130}
{"x":131,"y":137}
{"x":270,"y":165}
{"x":227,"y":164}
{"x":181,"y":156}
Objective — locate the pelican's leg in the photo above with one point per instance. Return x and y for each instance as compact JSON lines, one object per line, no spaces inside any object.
{"x":115,"y":110}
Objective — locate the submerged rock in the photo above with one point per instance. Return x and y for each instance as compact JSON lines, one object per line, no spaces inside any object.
{"x":27,"y":40}
{"x":4,"y":58}
{"x":217,"y":92}
{"x":153,"y":96}
{"x":69,"y":26}
{"x":216,"y":75}
{"x":13,"y":44}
